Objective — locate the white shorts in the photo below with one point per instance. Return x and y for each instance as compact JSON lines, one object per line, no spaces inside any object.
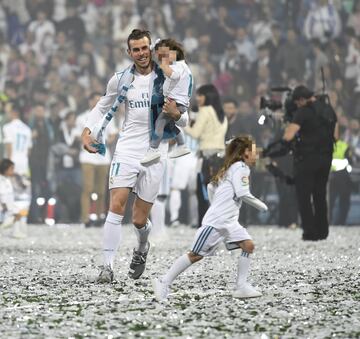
{"x":208,"y":238}
{"x":144,"y":181}
{"x":183,"y":173}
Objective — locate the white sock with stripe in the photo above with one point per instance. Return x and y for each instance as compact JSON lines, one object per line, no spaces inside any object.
{"x":142,"y":235}
{"x":243,"y":269}
{"x":112,"y":237}
{"x":179,"y":266}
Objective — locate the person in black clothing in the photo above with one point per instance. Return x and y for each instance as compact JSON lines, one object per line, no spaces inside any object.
{"x":68,"y":171}
{"x":314,"y":128}
{"x":42,"y":138}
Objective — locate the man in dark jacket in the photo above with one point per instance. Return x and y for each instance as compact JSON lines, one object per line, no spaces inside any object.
{"x":314,"y":127}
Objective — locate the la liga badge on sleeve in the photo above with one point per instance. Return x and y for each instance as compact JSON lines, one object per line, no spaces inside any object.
{"x":245,"y":181}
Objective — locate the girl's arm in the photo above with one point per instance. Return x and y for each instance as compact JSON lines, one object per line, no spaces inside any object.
{"x":240,"y":181}
{"x":254,"y":202}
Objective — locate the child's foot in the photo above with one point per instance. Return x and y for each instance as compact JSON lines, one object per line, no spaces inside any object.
{"x":151,"y":155}
{"x":179,"y":151}
{"x":161,"y":290}
{"x":247,"y":291}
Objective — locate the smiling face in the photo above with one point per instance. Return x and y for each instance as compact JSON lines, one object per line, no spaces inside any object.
{"x":139,"y":51}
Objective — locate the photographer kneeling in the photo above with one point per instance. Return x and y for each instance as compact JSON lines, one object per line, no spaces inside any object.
{"x":314,"y":128}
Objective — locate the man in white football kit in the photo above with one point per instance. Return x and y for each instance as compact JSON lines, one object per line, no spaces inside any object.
{"x":17,"y":140}
{"x":177,"y":86}
{"x":220,"y":224}
{"x":143,"y":100}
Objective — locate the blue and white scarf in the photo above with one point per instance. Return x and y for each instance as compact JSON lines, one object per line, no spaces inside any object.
{"x":156,"y":104}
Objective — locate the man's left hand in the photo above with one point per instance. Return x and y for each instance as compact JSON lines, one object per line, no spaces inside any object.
{"x":171,"y":110}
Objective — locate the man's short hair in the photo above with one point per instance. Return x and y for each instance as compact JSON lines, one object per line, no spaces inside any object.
{"x":138,"y":34}
{"x":301,"y":92}
{"x":230,"y":100}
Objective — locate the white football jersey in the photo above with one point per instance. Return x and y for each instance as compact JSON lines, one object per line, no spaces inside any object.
{"x":226,"y":197}
{"x":134,"y":137}
{"x":19,"y":136}
{"x":179,"y":86}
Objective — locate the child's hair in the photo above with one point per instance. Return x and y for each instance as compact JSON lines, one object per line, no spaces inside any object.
{"x":174,"y":46}
{"x":235,"y":151}
{"x":5,"y":164}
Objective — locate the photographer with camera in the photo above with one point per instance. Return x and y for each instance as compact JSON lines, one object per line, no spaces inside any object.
{"x":313,"y":128}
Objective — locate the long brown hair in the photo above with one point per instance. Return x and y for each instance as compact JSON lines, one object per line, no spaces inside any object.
{"x":235,"y":151}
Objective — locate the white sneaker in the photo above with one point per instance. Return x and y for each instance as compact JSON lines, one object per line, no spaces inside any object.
{"x":179,"y":151}
{"x":151,"y":155}
{"x":246,"y":291}
{"x":161,"y":290}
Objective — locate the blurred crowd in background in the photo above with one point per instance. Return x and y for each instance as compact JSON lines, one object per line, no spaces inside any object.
{"x":57,"y":56}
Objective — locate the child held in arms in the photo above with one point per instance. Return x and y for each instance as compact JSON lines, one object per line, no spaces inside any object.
{"x":177,"y":86}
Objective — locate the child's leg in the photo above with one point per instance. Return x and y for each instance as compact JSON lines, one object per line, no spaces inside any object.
{"x":179,"y":266}
{"x":206,"y":240}
{"x":160,"y":123}
{"x":247,"y":247}
{"x":238,"y":237}
{"x":180,"y":138}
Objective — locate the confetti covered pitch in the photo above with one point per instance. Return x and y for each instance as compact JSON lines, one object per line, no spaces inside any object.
{"x":310,"y":289}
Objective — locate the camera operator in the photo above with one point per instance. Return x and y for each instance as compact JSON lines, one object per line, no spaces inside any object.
{"x":314,"y":129}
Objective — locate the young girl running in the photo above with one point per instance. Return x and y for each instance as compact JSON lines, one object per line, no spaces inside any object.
{"x":228,"y":189}
{"x":177,"y":86}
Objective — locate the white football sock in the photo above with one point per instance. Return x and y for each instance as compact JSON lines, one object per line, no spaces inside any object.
{"x":158,"y":216}
{"x":142,"y":236}
{"x":174,"y":204}
{"x":112,"y":237}
{"x":243,"y":269}
{"x":179,"y":266}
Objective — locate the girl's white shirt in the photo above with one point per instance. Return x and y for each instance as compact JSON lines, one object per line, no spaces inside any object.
{"x":226,"y":198}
